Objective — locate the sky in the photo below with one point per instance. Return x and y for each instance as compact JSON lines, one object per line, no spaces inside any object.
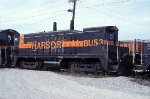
{"x":132,"y":17}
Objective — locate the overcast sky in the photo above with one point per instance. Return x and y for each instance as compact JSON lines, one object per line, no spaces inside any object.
{"x":132,"y":17}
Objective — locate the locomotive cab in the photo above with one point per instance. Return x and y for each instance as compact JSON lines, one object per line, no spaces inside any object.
{"x":109,"y":34}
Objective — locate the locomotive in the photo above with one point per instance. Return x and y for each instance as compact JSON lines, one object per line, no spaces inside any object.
{"x":94,"y":49}
{"x":9,"y":40}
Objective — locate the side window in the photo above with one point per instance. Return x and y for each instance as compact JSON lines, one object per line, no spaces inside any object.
{"x":111,"y":36}
{"x":113,"y":39}
{"x":9,"y":38}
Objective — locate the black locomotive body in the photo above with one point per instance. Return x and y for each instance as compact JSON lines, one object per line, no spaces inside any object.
{"x":9,"y":41}
{"x":93,"y":49}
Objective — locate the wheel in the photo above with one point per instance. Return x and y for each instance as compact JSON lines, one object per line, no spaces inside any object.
{"x":21,"y":64}
{"x":45,"y":68}
{"x":98,"y":68}
{"x":72,"y":67}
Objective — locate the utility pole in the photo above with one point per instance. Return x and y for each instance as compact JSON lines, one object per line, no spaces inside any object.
{"x":73,"y":13}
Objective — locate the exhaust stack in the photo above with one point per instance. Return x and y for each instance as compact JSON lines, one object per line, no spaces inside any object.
{"x":55,"y":26}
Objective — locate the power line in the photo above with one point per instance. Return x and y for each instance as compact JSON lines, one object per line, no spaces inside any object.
{"x":24,"y":18}
{"x":37,"y":10}
{"x":39,"y":15}
{"x":116,"y":2}
{"x":120,"y":18}
{"x":116,"y":16}
{"x":42,"y":20}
